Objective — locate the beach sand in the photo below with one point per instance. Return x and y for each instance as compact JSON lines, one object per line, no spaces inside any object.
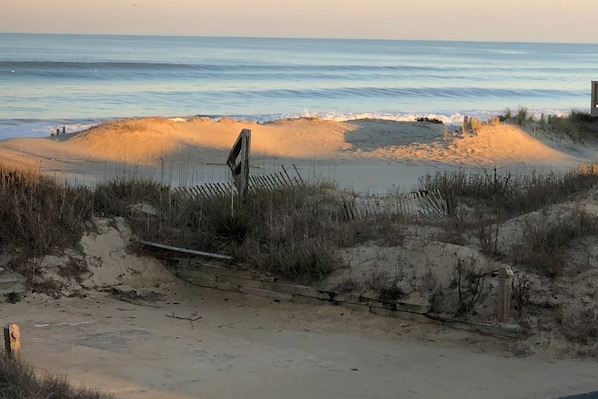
{"x":252,"y":347}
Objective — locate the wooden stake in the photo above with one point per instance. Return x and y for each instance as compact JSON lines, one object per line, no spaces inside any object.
{"x":505,"y":281}
{"x":12,"y":340}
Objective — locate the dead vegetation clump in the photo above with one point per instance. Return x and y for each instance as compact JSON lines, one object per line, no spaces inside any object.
{"x":464,"y":293}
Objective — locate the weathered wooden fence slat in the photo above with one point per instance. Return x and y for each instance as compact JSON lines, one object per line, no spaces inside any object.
{"x":272,"y":181}
{"x":425,"y":203}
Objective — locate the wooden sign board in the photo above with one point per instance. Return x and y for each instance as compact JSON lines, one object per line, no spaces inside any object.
{"x":238,"y":162}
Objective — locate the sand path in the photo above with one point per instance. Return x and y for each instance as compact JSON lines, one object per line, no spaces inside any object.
{"x":255,"y":348}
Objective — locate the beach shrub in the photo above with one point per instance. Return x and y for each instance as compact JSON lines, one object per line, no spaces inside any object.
{"x":470,"y":283}
{"x":465,"y":291}
{"x":520,"y":292}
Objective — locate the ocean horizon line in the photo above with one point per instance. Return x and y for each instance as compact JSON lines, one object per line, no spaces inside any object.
{"x":257,"y":37}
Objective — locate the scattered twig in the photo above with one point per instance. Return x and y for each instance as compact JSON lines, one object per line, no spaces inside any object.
{"x":191,"y":319}
{"x":174,"y":316}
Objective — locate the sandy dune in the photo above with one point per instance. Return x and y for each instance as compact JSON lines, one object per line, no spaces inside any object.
{"x":362,"y":154}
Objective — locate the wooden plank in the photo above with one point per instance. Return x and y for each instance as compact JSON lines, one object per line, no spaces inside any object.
{"x":280,"y":181}
{"x":299,"y":175}
{"x":184,"y":250}
{"x":290,"y":182}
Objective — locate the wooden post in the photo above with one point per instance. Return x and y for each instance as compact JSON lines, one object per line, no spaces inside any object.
{"x":505,"y":281}
{"x":594,"y":101}
{"x":12,"y":340}
{"x":238,"y":162}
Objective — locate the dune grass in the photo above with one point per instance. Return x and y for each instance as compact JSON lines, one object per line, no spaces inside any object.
{"x":295,"y":232}
{"x":38,"y":214}
{"x":19,"y":381}
{"x":577,"y":125}
{"x":508,"y":195}
{"x":493,"y":197}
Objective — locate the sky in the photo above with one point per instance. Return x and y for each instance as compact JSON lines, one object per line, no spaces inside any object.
{"x":475,"y":20}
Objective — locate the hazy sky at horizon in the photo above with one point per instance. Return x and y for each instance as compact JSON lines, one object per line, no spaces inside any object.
{"x":491,"y":20}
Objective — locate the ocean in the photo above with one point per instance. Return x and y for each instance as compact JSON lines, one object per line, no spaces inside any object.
{"x":48,"y":81}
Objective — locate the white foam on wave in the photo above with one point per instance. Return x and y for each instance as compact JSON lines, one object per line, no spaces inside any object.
{"x":44,"y":128}
{"x":449,"y":118}
{"x":455,"y":118}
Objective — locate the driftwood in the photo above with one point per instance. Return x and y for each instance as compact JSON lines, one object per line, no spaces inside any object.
{"x":184,"y":250}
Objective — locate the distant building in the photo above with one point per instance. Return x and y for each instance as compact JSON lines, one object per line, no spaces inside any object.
{"x":594,"y":104}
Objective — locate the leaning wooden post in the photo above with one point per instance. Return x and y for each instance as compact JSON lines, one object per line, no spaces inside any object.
{"x":505,"y":285}
{"x":240,"y":167}
{"x":12,"y":340}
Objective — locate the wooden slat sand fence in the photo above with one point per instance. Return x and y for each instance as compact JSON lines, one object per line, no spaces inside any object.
{"x":357,"y":207}
{"x":272,"y":181}
{"x":418,"y":203}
